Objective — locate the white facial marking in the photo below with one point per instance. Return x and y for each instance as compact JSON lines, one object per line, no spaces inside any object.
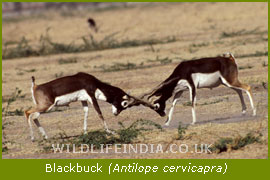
{"x":100,"y":95}
{"x":114,"y":110}
{"x":124,"y":104}
{"x":66,"y":99}
{"x":156,"y":106}
{"x":206,"y":80}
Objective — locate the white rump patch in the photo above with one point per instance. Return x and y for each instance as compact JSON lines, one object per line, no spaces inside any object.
{"x":66,"y":99}
{"x":206,"y":80}
{"x":100,"y":95}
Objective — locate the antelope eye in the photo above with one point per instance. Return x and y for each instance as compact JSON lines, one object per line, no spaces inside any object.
{"x":124,"y":104}
{"x":156,"y":106}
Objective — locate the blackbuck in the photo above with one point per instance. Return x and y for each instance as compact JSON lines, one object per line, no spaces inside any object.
{"x":79,"y":87}
{"x":192,"y":75}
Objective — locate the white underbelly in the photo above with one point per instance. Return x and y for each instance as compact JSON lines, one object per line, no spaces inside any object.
{"x":206,"y":80}
{"x":66,"y":99}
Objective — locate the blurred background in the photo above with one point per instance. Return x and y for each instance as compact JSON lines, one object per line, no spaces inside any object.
{"x":15,"y":8}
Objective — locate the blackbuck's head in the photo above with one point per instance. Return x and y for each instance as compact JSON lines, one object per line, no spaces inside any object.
{"x":157,"y":103}
{"x":120,"y":103}
{"x":123,"y":101}
{"x":157,"y":98}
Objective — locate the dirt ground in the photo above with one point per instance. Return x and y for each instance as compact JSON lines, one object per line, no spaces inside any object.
{"x":200,"y":29}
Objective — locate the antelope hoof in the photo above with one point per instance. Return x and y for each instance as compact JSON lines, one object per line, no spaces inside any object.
{"x":244,"y":112}
{"x":254,"y":112}
{"x":193,"y":123}
{"x":32,"y":139}
{"x":166,"y":124}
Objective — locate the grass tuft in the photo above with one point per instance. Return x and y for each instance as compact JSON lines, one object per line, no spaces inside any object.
{"x":117,"y":67}
{"x":256,"y":54}
{"x":181,"y":131}
{"x":241,"y":32}
{"x":67,"y":61}
{"x":130,"y":66}
{"x":228,"y":144}
{"x":6,"y":112}
{"x":248,"y":66}
{"x":264,"y":64}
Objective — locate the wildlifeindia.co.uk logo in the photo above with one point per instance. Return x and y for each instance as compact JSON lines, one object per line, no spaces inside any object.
{"x":131,"y":148}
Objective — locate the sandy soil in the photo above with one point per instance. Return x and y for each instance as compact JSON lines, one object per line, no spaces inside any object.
{"x":198,"y":28}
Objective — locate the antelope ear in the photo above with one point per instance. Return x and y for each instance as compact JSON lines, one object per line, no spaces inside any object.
{"x":153,"y":99}
{"x":125,"y":97}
